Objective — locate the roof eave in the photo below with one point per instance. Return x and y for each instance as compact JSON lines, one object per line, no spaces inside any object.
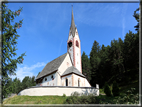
{"x":72,"y":73}
{"x":47,"y":74}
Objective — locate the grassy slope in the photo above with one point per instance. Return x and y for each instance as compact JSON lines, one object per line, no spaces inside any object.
{"x":35,"y":100}
{"x":58,"y":99}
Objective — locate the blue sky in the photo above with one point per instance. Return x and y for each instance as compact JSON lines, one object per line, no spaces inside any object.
{"x":45,"y":29}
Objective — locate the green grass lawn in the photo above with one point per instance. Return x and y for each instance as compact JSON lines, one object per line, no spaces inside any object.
{"x":43,"y":99}
{"x":35,"y":100}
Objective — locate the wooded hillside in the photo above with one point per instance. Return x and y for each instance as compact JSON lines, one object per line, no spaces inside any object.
{"x":118,"y":62}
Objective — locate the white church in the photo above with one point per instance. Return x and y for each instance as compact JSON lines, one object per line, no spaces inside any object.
{"x":66,"y":70}
{"x":63,"y":75}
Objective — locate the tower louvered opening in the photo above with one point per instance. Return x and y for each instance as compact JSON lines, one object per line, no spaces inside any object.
{"x":70,"y":44}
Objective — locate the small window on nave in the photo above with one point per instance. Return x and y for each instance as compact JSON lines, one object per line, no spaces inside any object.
{"x":77,"y":44}
{"x":52,"y":77}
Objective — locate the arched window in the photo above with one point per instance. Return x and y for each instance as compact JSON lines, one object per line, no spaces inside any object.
{"x":70,"y":44}
{"x":66,"y":82}
{"x":79,"y":82}
{"x":52,"y":77}
{"x":77,"y":44}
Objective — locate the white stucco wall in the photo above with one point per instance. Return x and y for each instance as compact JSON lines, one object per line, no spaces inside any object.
{"x":42,"y":91}
{"x":70,"y":37}
{"x":76,"y":78}
{"x":77,"y":35}
{"x":77,"y":52}
{"x":71,"y":52}
{"x":49,"y":81}
{"x":69,"y":77}
{"x":64,"y":65}
{"x":77,"y":57}
{"x":83,"y":81}
{"x":87,"y":84}
{"x":58,"y":79}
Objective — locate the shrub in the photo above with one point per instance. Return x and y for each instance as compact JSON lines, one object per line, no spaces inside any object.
{"x":84,"y":99}
{"x":69,"y":100}
{"x":77,"y":98}
{"x":73,"y":99}
{"x":107,"y":90}
{"x":115,"y":89}
{"x":92,"y":99}
{"x":128,"y":98}
{"x":75,"y":94}
{"x":64,"y":95}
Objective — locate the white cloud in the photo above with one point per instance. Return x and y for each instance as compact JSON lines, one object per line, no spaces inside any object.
{"x":27,"y":71}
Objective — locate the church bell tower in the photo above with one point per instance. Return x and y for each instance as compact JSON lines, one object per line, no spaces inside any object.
{"x":73,"y":45}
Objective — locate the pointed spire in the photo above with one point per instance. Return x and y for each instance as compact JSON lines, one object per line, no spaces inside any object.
{"x":72,"y":28}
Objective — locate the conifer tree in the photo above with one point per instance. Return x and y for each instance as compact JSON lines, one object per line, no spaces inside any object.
{"x":9,"y":43}
{"x":115,"y":89}
{"x":104,"y":66}
{"x":33,"y":81}
{"x":136,"y":15}
{"x":94,"y":62}
{"x":119,"y":61}
{"x":27,"y":82}
{"x":107,"y":90}
{"x":86,"y":68}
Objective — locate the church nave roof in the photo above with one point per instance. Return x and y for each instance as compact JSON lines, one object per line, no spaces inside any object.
{"x":52,"y":66}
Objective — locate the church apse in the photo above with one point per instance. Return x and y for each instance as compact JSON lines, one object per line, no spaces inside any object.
{"x":67,"y":80}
